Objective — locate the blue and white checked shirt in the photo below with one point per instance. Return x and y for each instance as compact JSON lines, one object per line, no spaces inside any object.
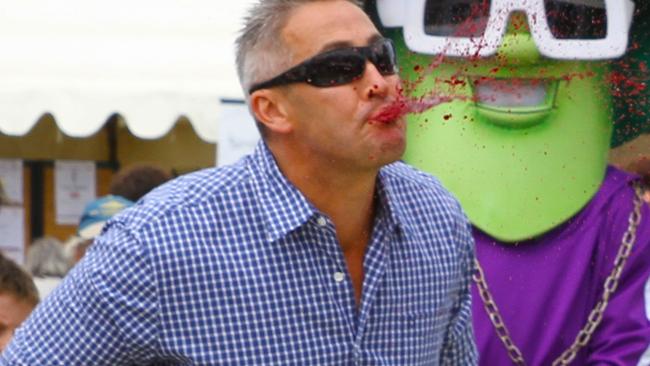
{"x":233,"y":266}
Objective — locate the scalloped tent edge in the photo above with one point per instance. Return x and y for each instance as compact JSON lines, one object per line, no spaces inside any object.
{"x":147,"y":118}
{"x":150,"y":61}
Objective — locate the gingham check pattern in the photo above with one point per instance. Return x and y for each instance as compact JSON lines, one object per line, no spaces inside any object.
{"x":233,"y":266}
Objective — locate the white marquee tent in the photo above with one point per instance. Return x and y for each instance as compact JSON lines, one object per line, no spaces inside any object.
{"x":151,"y":61}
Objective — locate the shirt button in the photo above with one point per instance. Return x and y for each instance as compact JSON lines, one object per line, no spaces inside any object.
{"x":321,"y":221}
{"x":356,"y":352}
{"x":339,"y":276}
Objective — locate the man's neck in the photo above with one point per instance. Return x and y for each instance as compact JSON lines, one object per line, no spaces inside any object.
{"x":345,"y":195}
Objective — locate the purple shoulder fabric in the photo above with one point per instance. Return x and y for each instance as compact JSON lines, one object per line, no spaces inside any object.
{"x":546,"y":287}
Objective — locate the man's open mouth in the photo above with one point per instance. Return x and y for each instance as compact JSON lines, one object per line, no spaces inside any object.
{"x":514,"y":102}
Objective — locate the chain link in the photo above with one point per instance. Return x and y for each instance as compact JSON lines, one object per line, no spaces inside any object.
{"x":596,"y":315}
{"x":495,"y":316}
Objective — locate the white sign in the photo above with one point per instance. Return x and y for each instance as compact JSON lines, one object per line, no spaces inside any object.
{"x":11,"y":177}
{"x":12,"y":233}
{"x":74,"y":187}
{"x":238,"y":134}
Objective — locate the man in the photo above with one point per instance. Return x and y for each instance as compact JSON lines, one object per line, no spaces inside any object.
{"x":18,"y":297}
{"x":565,"y":256}
{"x":318,"y":249}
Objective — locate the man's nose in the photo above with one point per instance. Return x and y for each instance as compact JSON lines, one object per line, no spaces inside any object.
{"x":373,"y":82}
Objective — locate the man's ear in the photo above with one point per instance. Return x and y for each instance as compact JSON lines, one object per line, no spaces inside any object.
{"x":269,"y":107}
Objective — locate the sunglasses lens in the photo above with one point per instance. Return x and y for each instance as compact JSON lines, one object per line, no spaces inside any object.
{"x":336,"y":68}
{"x":577,"y":19}
{"x":383,"y":57}
{"x":456,"y":18}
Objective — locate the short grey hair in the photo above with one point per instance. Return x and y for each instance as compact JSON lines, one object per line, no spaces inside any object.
{"x":261,"y":51}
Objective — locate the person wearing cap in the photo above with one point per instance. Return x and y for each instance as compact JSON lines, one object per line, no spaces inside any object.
{"x":126,"y":187}
{"x":95,"y":215}
{"x":562,"y":239}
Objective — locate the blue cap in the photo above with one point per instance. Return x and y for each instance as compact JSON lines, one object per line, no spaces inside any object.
{"x":98,"y":212}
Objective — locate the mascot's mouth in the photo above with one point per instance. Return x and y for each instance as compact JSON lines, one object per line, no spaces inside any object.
{"x":515,"y":103}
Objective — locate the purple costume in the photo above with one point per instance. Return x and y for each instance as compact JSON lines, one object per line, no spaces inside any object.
{"x":546,"y":287}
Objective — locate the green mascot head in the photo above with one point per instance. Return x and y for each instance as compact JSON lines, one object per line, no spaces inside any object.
{"x":524,"y":143}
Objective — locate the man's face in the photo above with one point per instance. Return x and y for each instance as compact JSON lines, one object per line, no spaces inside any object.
{"x":12,"y":313}
{"x":335,"y":123}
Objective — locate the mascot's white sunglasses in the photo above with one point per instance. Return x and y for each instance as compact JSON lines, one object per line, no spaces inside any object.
{"x":561,"y":29}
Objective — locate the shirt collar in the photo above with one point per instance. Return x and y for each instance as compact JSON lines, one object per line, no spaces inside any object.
{"x":390,"y":202}
{"x":284,"y":206}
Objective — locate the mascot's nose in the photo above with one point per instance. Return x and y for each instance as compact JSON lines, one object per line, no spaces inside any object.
{"x":517,"y":46}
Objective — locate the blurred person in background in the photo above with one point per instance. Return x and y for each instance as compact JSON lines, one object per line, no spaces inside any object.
{"x":94,"y":217}
{"x":48,"y":260}
{"x":641,"y":166}
{"x":47,"y":263}
{"x":18,"y":297}
{"x":127,"y":186}
{"x":135,"y":181}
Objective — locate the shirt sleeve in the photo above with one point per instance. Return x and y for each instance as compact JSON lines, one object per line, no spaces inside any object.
{"x":103,"y":313}
{"x":459,"y":347}
{"x":623,"y":336}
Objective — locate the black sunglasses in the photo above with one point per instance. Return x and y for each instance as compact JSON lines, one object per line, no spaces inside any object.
{"x":337,"y":67}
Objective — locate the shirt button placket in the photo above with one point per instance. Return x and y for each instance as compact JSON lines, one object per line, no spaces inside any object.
{"x":356,"y":353}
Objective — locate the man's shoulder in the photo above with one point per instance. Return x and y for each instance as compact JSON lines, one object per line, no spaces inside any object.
{"x":417,"y":186}
{"x":192,"y":192}
{"x":195,"y":187}
{"x":408,"y":177}
{"x":422,"y":203}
